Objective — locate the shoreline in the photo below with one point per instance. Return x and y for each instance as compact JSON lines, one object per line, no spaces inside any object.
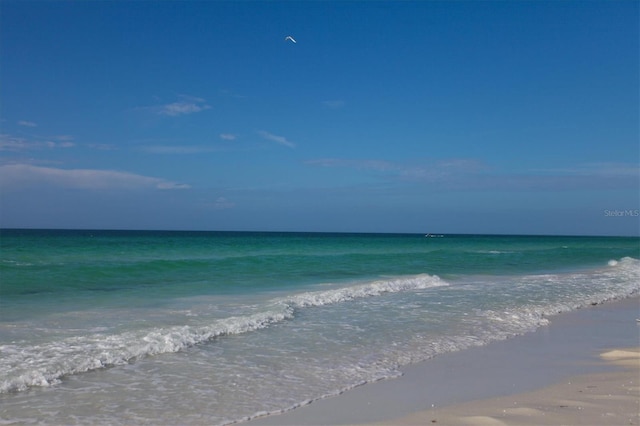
{"x":611,"y":398}
{"x":566,"y":350}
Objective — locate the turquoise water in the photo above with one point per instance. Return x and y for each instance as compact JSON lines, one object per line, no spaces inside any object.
{"x":126,"y":327}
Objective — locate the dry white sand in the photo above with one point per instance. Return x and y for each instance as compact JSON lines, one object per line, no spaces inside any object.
{"x":611,"y":398}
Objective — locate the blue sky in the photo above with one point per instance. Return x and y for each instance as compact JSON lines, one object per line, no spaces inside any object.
{"x":452,"y":117}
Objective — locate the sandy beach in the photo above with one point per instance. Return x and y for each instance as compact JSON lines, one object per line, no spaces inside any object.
{"x":582,"y":369}
{"x":611,"y":398}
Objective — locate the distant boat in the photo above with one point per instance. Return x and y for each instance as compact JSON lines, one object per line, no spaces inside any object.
{"x":433,"y":236}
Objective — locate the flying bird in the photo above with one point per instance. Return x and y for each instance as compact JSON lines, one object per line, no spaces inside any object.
{"x":290,"y":38}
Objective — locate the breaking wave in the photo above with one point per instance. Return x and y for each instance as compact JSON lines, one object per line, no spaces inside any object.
{"x":45,"y":364}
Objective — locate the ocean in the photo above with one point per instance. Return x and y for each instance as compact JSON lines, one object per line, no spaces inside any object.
{"x":145,"y":327}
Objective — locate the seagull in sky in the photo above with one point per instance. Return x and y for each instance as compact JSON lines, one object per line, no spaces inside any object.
{"x":290,"y":38}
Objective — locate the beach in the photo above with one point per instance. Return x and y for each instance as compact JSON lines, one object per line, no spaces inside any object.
{"x":142,"y":327}
{"x":582,"y":369}
{"x":611,"y":398}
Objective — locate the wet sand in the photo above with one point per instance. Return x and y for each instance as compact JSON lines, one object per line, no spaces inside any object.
{"x":611,"y":398}
{"x":556,"y":375}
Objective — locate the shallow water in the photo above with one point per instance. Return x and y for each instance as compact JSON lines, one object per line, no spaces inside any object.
{"x":140,"y":327}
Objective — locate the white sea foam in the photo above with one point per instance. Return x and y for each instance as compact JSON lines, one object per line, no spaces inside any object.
{"x":44,"y":364}
{"x":376,"y":288}
{"x":340,"y":345}
{"x":24,"y":365}
{"x":620,"y":279}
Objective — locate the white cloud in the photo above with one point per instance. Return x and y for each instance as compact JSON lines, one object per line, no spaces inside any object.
{"x":17,"y":144}
{"x":181,"y":108}
{"x":186,"y":105}
{"x":278,"y":139}
{"x":27,"y":123}
{"x":228,"y":136}
{"x":12,"y":143}
{"x":18,"y":176}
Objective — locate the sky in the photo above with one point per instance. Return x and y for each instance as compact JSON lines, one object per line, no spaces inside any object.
{"x":384,"y":116}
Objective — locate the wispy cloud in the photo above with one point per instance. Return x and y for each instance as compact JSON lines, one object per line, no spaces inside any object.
{"x":359,"y":164}
{"x":429,"y":171}
{"x":228,"y":136}
{"x":18,"y":144}
{"x":185,"y":106}
{"x":103,"y":147}
{"x":181,"y":108}
{"x":12,"y":143}
{"x":278,"y":139}
{"x":18,"y":176}
{"x":26,"y":123}
{"x":473,"y":174}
